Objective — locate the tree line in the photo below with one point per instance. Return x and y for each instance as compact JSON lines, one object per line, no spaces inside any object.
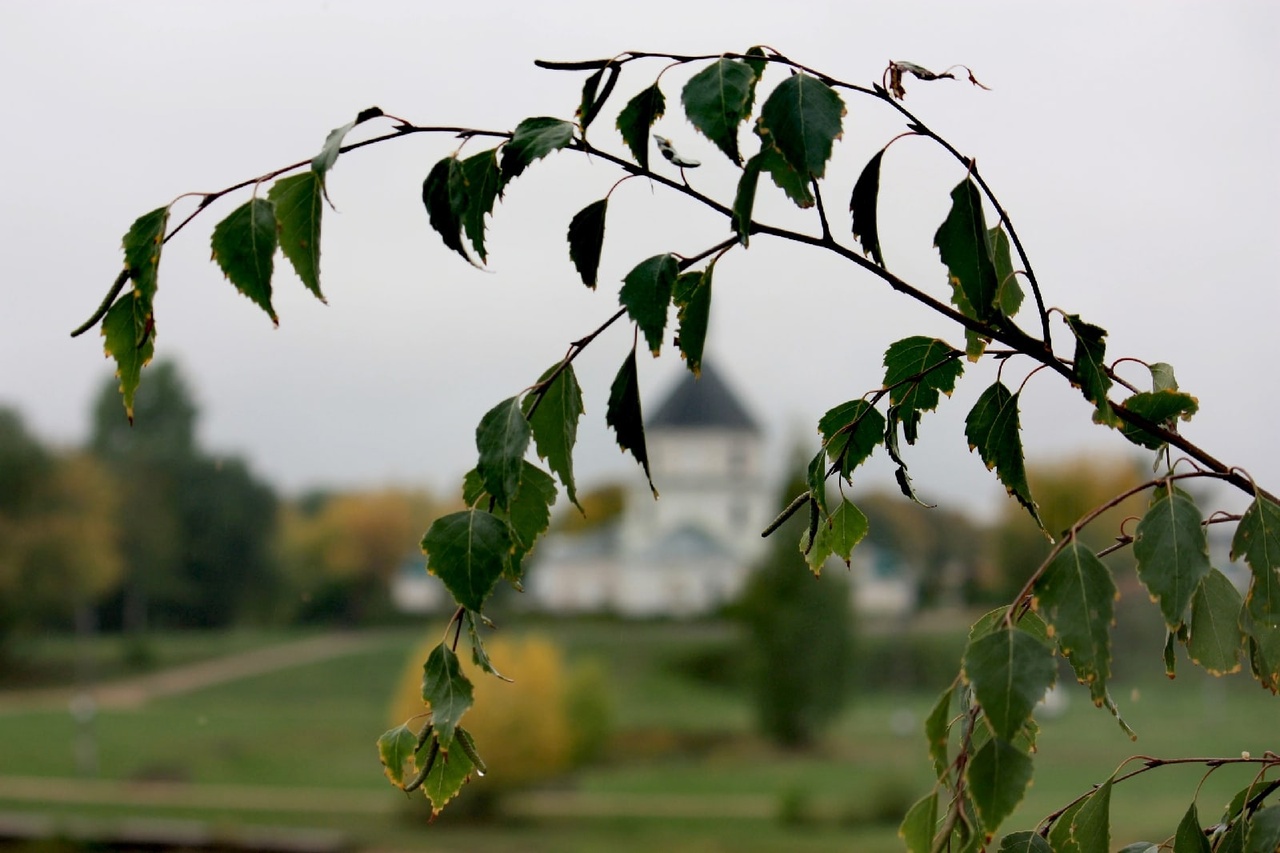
{"x":142,"y":528}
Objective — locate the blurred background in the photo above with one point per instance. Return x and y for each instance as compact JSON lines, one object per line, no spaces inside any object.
{"x":207,"y":618}
{"x":189,"y":658}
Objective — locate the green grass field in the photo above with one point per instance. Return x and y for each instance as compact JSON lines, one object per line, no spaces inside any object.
{"x":680,"y":740}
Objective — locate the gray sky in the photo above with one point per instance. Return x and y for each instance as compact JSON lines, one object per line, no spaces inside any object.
{"x":1132,"y":143}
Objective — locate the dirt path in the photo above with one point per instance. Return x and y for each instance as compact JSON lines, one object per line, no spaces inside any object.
{"x":136,"y":691}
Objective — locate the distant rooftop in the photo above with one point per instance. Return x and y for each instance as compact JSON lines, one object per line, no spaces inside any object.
{"x":706,"y":402}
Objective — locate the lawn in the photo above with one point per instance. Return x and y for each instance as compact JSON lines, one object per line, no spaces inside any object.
{"x":681,"y":738}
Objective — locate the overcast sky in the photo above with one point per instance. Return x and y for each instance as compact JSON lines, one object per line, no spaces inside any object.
{"x":1134,"y":145}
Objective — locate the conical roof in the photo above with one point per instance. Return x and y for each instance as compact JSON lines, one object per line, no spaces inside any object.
{"x":705,"y":402}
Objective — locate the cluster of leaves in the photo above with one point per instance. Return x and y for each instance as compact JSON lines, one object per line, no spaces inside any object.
{"x":982,"y":731}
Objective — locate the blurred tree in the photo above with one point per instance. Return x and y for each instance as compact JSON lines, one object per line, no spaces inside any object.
{"x":58,"y":539}
{"x":800,"y":635}
{"x":947,"y":547}
{"x":196,"y":531}
{"x":24,"y":464}
{"x":341,"y":551}
{"x":1065,"y":491}
{"x":600,"y":506}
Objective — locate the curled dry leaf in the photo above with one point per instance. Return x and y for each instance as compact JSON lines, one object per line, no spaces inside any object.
{"x":896,"y":69}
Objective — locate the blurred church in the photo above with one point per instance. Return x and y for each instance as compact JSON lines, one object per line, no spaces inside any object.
{"x":689,"y":552}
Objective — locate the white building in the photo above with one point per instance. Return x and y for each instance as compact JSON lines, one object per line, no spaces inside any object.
{"x":688,"y":551}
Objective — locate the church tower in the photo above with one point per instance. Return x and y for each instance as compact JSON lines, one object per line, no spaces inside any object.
{"x":706,"y":456}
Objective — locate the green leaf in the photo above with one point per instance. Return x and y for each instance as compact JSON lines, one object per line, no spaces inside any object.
{"x":692,"y":297}
{"x":1089,"y":370}
{"x":534,"y":138}
{"x":803,"y":117}
{"x":126,"y":330}
{"x":646,"y":294}
{"x":531,"y":507}
{"x":917,"y":369}
{"x":502,"y":438}
{"x":1010,"y":670}
{"x":718,"y":99}
{"x":1008,"y":292}
{"x":1170,"y":656}
{"x":1172,"y":553}
{"x":243,"y":245}
{"x":893,"y":418}
{"x":815,"y":542}
{"x":624,"y":415}
{"x":479,"y":655}
{"x":395,"y":749}
{"x":297,"y":201}
{"x":468,"y":550}
{"x":1025,"y":841}
{"x":1162,"y":378}
{"x":917,"y":827}
{"x":440,"y":204}
{"x":744,"y":200}
{"x":1190,"y":838}
{"x":142,"y":246}
{"x":863,"y":203}
{"x":993,"y":621}
{"x":555,"y":424}
{"x":1076,"y":596}
{"x":451,"y":771}
{"x":473,"y":488}
{"x":1232,"y":841}
{"x":793,"y":183}
{"x":816,"y":479}
{"x":937,"y":727}
{"x":1257,"y":539}
{"x":962,"y":244}
{"x":998,"y":775}
{"x":992,"y":428}
{"x":1161,"y":408}
{"x":1091,"y":824}
{"x":1235,"y":806}
{"x":850,"y":432}
{"x":446,"y":690}
{"x":323,"y":162}
{"x":975,"y":344}
{"x":474,"y":184}
{"x":1140,"y":847}
{"x":593,"y":98}
{"x":586,"y":239}
{"x":635,"y":120}
{"x":1060,"y":835}
{"x":846,"y":527}
{"x":1264,"y":831}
